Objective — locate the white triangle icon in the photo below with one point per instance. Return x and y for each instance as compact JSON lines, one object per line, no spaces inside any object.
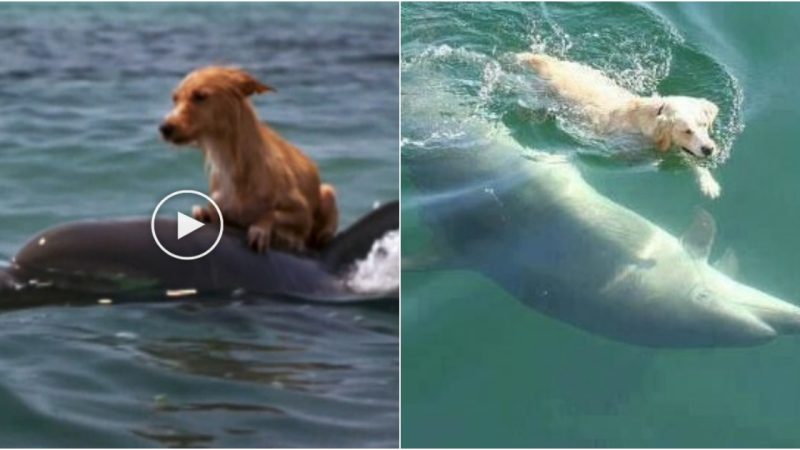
{"x":187,"y":225}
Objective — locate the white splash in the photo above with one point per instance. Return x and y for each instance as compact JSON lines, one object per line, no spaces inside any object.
{"x":380,"y":270}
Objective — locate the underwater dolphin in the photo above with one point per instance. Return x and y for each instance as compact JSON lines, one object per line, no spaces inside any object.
{"x":119,"y":259}
{"x":533,"y":225}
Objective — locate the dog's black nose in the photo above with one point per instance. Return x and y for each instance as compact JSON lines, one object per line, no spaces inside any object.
{"x":707,"y":150}
{"x":166,"y":129}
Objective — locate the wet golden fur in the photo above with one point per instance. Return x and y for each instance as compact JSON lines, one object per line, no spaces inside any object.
{"x":670,"y":122}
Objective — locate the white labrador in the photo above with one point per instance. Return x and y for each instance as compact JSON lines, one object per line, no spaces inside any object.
{"x":670,"y":122}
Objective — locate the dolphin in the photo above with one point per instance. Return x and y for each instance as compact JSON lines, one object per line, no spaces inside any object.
{"x":530,"y":222}
{"x":118,"y":260}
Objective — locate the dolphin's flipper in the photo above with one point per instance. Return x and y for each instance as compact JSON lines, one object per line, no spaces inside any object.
{"x":699,"y":238}
{"x":728,"y":263}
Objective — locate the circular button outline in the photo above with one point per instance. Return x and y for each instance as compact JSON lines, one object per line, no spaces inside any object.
{"x":161,"y":203}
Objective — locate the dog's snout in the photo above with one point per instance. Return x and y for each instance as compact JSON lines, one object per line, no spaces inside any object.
{"x":166,"y":129}
{"x":707,"y":150}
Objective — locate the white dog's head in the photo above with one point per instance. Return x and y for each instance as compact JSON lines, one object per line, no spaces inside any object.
{"x":685,"y":122}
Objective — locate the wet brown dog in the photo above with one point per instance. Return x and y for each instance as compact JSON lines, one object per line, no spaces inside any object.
{"x":259,"y":180}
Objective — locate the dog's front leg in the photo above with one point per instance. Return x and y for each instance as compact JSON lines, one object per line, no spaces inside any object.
{"x":708,"y":185}
{"x":207,"y":214}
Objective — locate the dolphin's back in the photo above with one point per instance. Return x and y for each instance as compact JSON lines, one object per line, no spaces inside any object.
{"x":121,"y":256}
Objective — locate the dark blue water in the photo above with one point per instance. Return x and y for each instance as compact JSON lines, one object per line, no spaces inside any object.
{"x":82,"y":90}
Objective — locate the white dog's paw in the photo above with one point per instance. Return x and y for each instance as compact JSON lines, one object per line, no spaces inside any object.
{"x":708,"y":185}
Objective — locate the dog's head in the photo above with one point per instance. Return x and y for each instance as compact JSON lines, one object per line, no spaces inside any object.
{"x":206,"y":102}
{"x":685,"y":122}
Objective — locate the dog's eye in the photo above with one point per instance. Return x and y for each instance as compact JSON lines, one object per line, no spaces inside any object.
{"x":689,"y":132}
{"x":199,"y":96}
{"x":174,"y":98}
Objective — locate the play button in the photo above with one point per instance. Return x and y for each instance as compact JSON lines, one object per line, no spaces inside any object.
{"x":187,"y":225}
{"x":180,"y":235}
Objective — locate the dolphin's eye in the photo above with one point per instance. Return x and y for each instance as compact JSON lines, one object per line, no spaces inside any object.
{"x":702,"y":296}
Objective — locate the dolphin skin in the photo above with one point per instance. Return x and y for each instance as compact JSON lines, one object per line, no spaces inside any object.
{"x":532,"y":224}
{"x":119,"y":258}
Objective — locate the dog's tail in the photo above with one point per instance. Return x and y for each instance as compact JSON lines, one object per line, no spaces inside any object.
{"x":326,"y":217}
{"x":355,"y":242}
{"x":535,"y":60}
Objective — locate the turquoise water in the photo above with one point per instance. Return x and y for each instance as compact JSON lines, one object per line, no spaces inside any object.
{"x":482,"y":369}
{"x":82,"y":90}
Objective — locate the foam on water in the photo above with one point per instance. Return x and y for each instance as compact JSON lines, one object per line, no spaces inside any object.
{"x":442,"y":54}
{"x":379,"y":271}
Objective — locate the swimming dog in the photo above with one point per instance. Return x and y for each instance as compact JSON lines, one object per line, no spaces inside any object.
{"x":670,"y":122}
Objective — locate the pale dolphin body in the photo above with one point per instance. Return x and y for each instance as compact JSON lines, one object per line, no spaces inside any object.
{"x":538,"y":229}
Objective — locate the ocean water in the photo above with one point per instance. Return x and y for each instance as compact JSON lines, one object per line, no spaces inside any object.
{"x":82,"y":90}
{"x":482,"y":369}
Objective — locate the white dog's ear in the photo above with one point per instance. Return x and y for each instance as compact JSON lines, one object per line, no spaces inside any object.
{"x":652,"y":107}
{"x":663,"y":135}
{"x":710,"y":110}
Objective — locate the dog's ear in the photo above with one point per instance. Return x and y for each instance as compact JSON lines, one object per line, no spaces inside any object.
{"x":660,"y":109}
{"x":247,"y":84}
{"x":652,"y":106}
{"x":710,"y":110}
{"x":663,"y":134}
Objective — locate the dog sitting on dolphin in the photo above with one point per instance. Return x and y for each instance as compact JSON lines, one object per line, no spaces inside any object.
{"x":669,"y":122}
{"x":259,"y":180}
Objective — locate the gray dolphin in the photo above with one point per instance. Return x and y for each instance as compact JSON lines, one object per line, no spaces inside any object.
{"x":85,"y":261}
{"x":530,"y":222}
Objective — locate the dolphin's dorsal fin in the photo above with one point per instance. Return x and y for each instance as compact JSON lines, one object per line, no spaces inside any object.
{"x":728,"y":263}
{"x":697,"y":240}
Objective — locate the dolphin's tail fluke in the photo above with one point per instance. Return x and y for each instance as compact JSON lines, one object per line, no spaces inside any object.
{"x":355,"y":242}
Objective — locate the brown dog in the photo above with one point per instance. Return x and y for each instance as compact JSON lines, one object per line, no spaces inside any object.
{"x":259,"y":180}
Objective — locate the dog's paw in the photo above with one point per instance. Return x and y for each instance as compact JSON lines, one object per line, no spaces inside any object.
{"x":201,"y":214}
{"x":258,"y":238}
{"x":709,"y":186}
{"x":286,"y":240}
{"x":291,"y":242}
